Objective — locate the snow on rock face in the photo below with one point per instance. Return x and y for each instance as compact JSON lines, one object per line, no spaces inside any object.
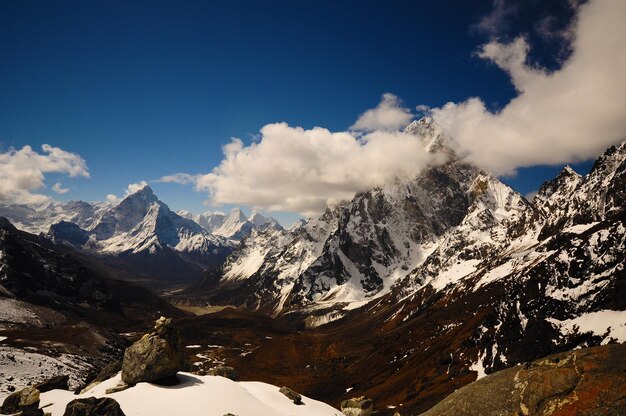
{"x":358,"y":250}
{"x":38,"y":219}
{"x":196,"y":395}
{"x":141,"y":223}
{"x":610,"y":325}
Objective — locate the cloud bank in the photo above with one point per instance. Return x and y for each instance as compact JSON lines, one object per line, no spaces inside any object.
{"x":298,"y":170}
{"x":565,"y":116}
{"x":23,"y":172}
{"x":388,"y":115}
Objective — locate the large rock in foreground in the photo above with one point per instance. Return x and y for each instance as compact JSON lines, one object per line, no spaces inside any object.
{"x":91,"y":406}
{"x":156,"y":356}
{"x":590,"y":381}
{"x":25,"y":401}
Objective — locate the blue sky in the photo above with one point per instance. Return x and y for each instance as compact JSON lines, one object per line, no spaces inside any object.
{"x":145,"y":89}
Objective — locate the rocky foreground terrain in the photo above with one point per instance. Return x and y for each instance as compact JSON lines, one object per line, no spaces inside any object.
{"x":590,"y":381}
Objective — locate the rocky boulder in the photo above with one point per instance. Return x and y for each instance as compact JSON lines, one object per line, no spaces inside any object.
{"x":357,"y":406}
{"x":583,"y":382}
{"x":156,"y":356}
{"x":296,"y":398}
{"x":92,"y":406}
{"x":54,"y":383}
{"x":25,"y":401}
{"x":224,"y":371}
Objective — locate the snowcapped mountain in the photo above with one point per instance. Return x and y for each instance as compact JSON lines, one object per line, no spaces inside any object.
{"x":452,"y":231}
{"x":139,"y":233}
{"x":234,"y":225}
{"x":38,"y":218}
{"x":441,"y":280}
{"x":357,"y":250}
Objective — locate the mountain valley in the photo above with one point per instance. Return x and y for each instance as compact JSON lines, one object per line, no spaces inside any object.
{"x":404,"y":294}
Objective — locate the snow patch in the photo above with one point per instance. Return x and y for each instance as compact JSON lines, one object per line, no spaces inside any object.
{"x":195,"y":396}
{"x":605,"y":323}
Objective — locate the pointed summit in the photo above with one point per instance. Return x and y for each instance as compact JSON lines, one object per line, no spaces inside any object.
{"x":430,"y":132}
{"x":258,"y":219}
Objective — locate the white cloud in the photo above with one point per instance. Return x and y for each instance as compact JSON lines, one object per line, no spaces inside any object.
{"x":59,"y":189}
{"x":134,"y":187}
{"x":113,"y":199}
{"x":568,"y":115}
{"x":388,"y":115}
{"x":558,"y":117}
{"x":179,"y":178}
{"x":298,"y":170}
{"x":23,"y":172}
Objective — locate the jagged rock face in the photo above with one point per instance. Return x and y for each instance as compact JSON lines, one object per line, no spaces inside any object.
{"x":582,"y":382}
{"x":67,"y":232}
{"x":571,"y":199}
{"x":156,"y":356}
{"x":358,"y":250}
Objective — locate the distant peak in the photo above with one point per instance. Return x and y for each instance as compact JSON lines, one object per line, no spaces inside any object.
{"x":568,"y":171}
{"x":236,"y":214}
{"x":144,"y":193}
{"x":145,"y":189}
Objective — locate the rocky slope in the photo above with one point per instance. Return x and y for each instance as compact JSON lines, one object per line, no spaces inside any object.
{"x":589,"y":381}
{"x":59,"y":315}
{"x":358,"y":250}
{"x":421,"y":287}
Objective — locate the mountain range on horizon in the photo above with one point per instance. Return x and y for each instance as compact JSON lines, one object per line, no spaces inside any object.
{"x":450,"y":270}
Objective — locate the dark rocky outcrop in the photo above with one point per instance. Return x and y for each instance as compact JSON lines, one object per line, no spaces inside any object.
{"x":583,"y":382}
{"x":156,"y":356}
{"x":296,"y":398}
{"x":54,"y":383}
{"x":92,"y":406}
{"x":357,"y":406}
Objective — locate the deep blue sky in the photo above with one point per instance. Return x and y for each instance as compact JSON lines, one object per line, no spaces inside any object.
{"x":145,"y":89}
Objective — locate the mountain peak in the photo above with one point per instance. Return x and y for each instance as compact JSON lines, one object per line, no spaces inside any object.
{"x":430,"y":132}
{"x":236,"y":214}
{"x":568,"y":171}
{"x":145,"y":194}
{"x":258,"y":219}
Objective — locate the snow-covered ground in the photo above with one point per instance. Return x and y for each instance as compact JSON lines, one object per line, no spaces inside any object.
{"x":20,"y":368}
{"x":195,"y":396}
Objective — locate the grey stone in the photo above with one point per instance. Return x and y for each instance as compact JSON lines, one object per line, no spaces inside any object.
{"x":357,"y":406}
{"x":156,"y":356}
{"x":292,"y":395}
